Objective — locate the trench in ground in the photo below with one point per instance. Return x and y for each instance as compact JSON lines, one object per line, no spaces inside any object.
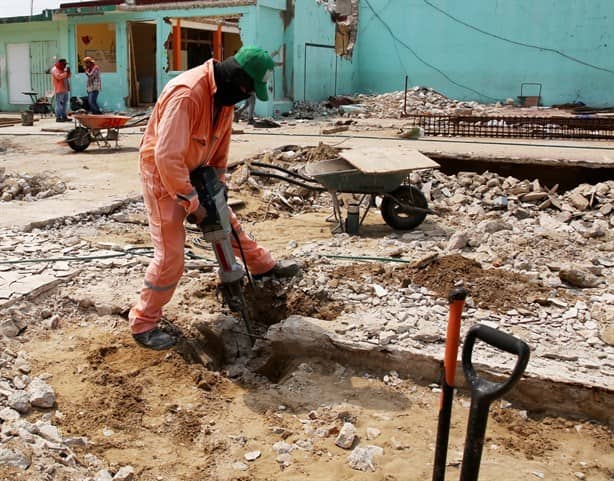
{"x":492,"y":289}
{"x":565,"y":175}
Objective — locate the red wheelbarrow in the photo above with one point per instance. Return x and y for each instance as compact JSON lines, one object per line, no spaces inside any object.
{"x":102,"y":129}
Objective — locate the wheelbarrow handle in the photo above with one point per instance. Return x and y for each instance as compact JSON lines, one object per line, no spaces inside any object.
{"x":489,"y":390}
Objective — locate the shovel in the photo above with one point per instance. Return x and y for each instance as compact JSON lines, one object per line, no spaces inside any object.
{"x":456,"y":298}
{"x":484,"y":392}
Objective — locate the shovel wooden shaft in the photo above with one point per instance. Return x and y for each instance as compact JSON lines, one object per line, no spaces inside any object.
{"x":457,"y":301}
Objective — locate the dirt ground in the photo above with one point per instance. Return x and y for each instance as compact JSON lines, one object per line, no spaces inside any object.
{"x":174,"y":420}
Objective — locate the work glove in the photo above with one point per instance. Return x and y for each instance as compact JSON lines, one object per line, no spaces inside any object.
{"x":198,"y":215}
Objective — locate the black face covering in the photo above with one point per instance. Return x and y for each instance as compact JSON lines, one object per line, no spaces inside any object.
{"x":233,"y":83}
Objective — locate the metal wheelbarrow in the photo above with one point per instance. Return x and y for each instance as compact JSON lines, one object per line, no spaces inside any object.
{"x":102,"y":129}
{"x":403,"y":206}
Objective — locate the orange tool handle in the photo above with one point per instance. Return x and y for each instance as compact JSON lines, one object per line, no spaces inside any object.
{"x":457,"y":303}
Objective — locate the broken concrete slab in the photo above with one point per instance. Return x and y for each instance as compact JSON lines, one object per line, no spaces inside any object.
{"x":17,"y":285}
{"x":298,"y":337}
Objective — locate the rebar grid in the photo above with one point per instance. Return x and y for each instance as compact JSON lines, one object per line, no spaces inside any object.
{"x":515,"y":127}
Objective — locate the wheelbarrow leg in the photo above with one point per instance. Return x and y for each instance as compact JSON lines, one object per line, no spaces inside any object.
{"x":364,"y":215}
{"x":484,"y":392}
{"x":337,"y":213}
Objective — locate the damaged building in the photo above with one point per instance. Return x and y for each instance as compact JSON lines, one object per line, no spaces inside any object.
{"x":478,"y":50}
{"x":141,"y":44}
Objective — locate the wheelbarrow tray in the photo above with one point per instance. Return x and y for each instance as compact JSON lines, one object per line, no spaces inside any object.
{"x":369,"y":170}
{"x":102,"y":121}
{"x":338,"y":175}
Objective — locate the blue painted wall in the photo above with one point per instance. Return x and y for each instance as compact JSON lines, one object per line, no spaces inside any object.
{"x":451,"y":46}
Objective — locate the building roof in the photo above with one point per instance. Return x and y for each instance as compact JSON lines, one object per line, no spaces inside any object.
{"x":126,"y":5}
{"x":158,"y":4}
{"x":182,"y":4}
{"x":45,"y":16}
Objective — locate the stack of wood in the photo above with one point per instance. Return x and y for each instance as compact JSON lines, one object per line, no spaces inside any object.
{"x":9,"y":121}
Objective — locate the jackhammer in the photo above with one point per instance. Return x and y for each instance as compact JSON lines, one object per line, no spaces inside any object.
{"x":216,"y":228}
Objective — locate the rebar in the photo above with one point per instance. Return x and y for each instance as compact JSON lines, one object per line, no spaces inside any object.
{"x":515,"y":127}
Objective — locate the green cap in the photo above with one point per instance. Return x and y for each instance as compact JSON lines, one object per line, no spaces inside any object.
{"x":259,"y":66}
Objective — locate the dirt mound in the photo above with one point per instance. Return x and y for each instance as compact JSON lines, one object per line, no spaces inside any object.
{"x":495,"y":289}
{"x":321,"y":152}
{"x":191,"y":434}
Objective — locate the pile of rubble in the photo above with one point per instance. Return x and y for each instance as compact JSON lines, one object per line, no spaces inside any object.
{"x":417,"y":101}
{"x":280,"y":195}
{"x":558,"y":244}
{"x":15,"y":186}
{"x":420,"y":100}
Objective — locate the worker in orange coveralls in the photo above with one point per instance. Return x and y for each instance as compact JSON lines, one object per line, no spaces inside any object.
{"x":190,"y":126}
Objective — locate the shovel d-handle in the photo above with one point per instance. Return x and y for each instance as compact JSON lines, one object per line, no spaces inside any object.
{"x":484,"y":392}
{"x":488,"y":390}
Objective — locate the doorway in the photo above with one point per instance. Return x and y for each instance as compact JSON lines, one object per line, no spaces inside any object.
{"x":142,"y":63}
{"x":18,"y":57}
{"x":195,"y":40}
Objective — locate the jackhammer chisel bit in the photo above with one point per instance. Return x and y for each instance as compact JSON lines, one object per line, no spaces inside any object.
{"x":216,"y":228}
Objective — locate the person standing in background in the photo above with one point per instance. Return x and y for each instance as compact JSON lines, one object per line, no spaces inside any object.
{"x":94,"y":84}
{"x":60,"y":75}
{"x":250,"y":105}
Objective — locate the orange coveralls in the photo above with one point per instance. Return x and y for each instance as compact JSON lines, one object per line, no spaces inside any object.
{"x":180,"y":136}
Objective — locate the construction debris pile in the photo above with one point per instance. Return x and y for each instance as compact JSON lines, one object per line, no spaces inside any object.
{"x":283,"y":196}
{"x":14,"y":186}
{"x":417,"y":101}
{"x":534,"y":260}
{"x":420,"y":100}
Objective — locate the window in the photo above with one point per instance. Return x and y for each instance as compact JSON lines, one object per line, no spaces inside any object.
{"x":97,"y":40}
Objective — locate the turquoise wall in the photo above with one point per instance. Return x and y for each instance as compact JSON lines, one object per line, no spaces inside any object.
{"x":263,"y":27}
{"x":476,"y":50}
{"x":26,"y":33}
{"x":260,"y":25}
{"x":314,"y":67}
{"x":457,"y":59}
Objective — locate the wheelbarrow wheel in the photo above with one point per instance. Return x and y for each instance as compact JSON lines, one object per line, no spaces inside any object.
{"x":396,"y":215}
{"x":78,"y":139}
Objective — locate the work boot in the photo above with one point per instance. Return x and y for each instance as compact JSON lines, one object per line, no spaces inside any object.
{"x":155,"y":339}
{"x":284,"y":269}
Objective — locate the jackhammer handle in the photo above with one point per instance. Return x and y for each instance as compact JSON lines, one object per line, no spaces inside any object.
{"x":489,"y":390}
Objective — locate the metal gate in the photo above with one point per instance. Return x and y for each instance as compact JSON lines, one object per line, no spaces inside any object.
{"x":42,"y":58}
